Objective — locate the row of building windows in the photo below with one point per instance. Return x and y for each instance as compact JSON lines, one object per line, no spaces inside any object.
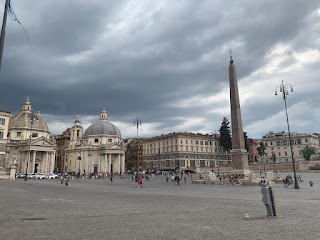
{"x":96,"y":140}
{"x":285,"y":154}
{"x":286,"y":142}
{"x":187,"y":149}
{"x":197,"y":142}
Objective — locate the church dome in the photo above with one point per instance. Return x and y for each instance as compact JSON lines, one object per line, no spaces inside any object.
{"x":103,"y":127}
{"x":23,"y":119}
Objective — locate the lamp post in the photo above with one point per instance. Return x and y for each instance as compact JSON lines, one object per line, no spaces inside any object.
{"x":137,"y":123}
{"x":217,"y":154}
{"x":284,"y":90}
{"x":29,"y":155}
{"x":3,"y":29}
{"x":79,"y":158}
{"x":210,"y":143}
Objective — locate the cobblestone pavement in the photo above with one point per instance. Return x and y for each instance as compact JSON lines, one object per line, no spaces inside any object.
{"x":98,"y":209}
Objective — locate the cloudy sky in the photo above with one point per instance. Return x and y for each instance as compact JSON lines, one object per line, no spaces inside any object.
{"x":164,"y":61}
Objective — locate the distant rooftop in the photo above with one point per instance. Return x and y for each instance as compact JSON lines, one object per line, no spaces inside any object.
{"x":4,"y":111}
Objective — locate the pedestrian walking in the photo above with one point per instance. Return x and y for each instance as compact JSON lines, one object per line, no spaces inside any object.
{"x":185,"y":179}
{"x":140,"y":182}
{"x":167,"y":178}
{"x":66,"y":181}
{"x":111,"y":178}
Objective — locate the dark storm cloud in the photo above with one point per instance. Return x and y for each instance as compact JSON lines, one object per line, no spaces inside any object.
{"x":142,"y":58}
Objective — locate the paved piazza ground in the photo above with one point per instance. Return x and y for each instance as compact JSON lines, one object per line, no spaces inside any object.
{"x":98,"y":209}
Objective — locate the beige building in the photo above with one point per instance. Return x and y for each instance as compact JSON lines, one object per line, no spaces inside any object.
{"x":183,"y":150}
{"x":30,"y":146}
{"x":4,"y":125}
{"x":277,"y":144}
{"x":99,"y":150}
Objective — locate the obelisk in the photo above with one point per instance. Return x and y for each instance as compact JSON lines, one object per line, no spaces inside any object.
{"x":239,"y":155}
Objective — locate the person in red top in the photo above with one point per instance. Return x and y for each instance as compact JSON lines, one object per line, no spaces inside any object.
{"x":140,"y":182}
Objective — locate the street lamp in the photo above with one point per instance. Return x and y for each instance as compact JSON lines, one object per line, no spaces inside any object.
{"x":284,"y":90}
{"x":29,"y":155}
{"x":217,"y":150}
{"x":79,"y":158}
{"x":210,"y":143}
{"x":137,"y":123}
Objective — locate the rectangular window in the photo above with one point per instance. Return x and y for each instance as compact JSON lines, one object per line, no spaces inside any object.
{"x":1,"y":135}
{"x":306,"y":140}
{"x":18,"y":134}
{"x":201,"y":142}
{"x":186,"y":141}
{"x":96,"y":140}
{"x":285,"y":142}
{"x":299,"y":141}
{"x":278,"y":143}
{"x":191,"y":141}
{"x":34,"y":135}
{"x":110,"y":140}
{"x":271,"y":143}
{"x":279,"y":153}
{"x":206,"y":143}
{"x":2,"y":121}
{"x":285,"y":153}
{"x":197,"y":142}
{"x":186,"y":148}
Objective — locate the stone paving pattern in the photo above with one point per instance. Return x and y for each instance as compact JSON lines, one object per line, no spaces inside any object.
{"x":98,"y":209}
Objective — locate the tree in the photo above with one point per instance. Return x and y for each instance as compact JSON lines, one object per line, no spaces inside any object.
{"x":261,"y":150}
{"x":225,"y":135}
{"x":307,"y":152}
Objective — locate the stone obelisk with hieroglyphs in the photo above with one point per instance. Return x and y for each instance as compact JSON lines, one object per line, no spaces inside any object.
{"x":239,"y":155}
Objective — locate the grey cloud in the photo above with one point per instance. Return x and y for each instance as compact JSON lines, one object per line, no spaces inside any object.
{"x":124,"y":79}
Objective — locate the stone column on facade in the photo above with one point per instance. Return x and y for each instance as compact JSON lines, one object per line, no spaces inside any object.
{"x":122,"y":164}
{"x":109,"y":163}
{"x":33,"y":161}
{"x":119,"y":164}
{"x":52,"y":162}
{"x":239,"y":155}
{"x":45,"y":160}
{"x":24,"y":157}
{"x":105,"y":163}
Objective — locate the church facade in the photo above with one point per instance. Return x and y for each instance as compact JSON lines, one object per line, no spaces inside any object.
{"x":29,"y":145}
{"x":99,"y":149}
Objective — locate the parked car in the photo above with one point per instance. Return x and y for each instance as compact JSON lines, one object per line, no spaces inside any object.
{"x":51,"y":176}
{"x":31,"y":175}
{"x":40,"y":176}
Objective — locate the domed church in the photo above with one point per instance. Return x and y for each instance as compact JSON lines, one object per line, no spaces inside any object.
{"x":99,"y":150}
{"x":29,"y":142}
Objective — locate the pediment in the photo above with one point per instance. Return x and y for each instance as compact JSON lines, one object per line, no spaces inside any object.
{"x":114,"y":146}
{"x":42,"y":141}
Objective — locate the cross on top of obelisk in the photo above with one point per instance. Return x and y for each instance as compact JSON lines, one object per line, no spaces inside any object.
{"x":231,"y":60}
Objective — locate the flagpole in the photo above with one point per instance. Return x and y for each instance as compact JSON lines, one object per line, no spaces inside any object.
{"x":3,"y":30}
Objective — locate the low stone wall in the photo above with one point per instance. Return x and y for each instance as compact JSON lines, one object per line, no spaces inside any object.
{"x":300,"y":166}
{"x":272,"y":166}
